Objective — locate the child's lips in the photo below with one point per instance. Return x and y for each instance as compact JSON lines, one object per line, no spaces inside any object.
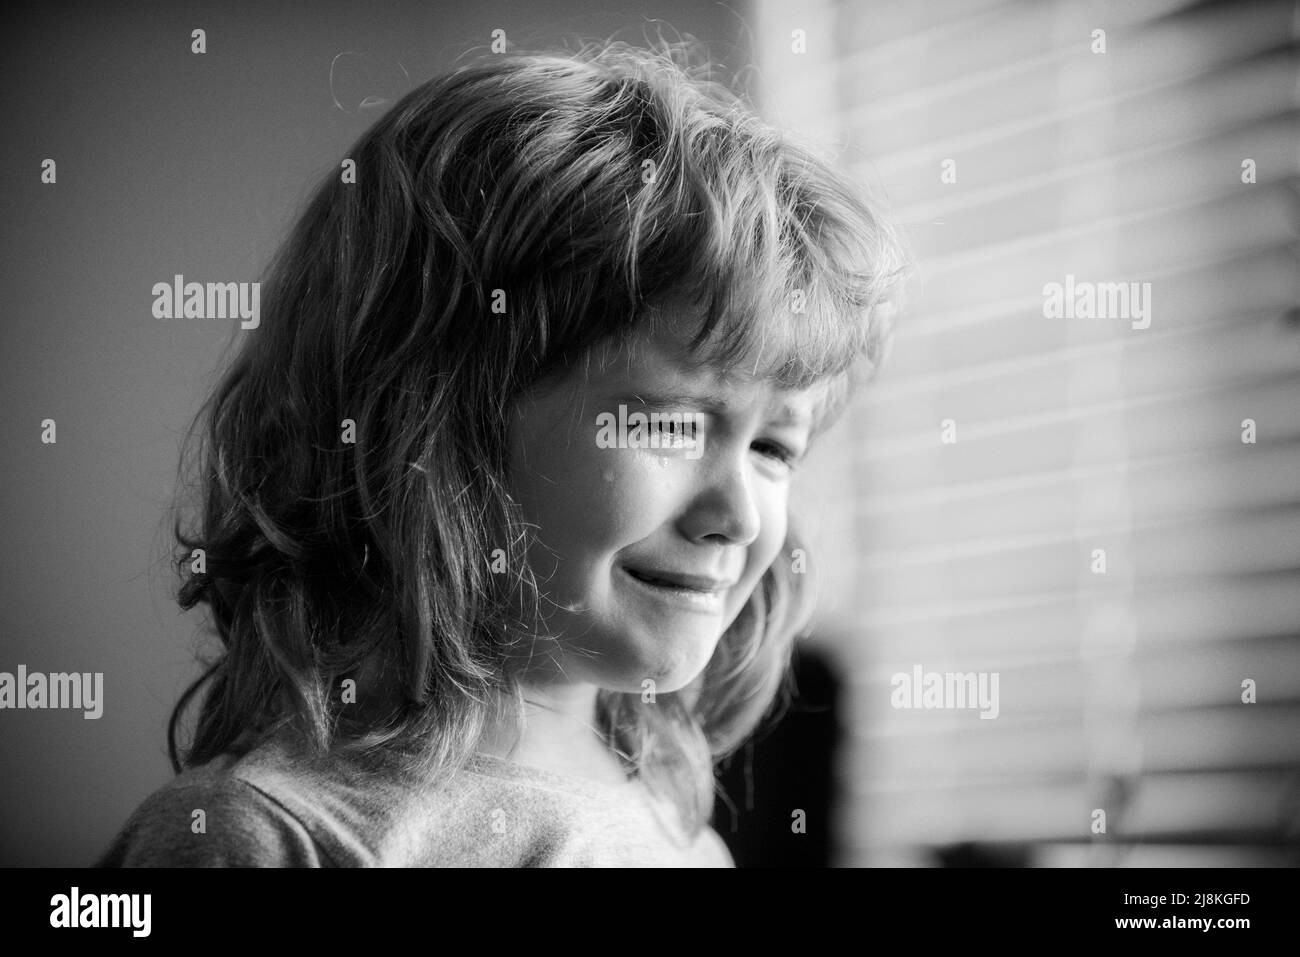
{"x":705,"y":584}
{"x":704,"y":595}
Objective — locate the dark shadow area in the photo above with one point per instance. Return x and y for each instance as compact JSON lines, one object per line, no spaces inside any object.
{"x":971,"y":854}
{"x":785,"y":768}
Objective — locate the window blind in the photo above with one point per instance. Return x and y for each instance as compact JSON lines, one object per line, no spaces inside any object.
{"x":1103,"y":511}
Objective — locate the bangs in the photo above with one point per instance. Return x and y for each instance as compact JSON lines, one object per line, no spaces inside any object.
{"x":791,"y":289}
{"x":795,"y":274}
{"x":795,"y":277}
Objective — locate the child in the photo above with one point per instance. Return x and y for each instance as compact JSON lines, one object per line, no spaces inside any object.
{"x":494,"y":502}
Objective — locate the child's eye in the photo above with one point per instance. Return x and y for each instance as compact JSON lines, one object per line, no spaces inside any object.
{"x":678,"y":430}
{"x":778,"y":452}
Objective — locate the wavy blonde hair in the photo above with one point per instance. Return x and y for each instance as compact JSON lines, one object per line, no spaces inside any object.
{"x":589,"y":187}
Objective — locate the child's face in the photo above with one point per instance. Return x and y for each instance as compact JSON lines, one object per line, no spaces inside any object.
{"x":710,"y":519}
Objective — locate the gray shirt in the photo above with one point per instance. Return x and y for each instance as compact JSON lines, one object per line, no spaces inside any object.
{"x":271,"y":808}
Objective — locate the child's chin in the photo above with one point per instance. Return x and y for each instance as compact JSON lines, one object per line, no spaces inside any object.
{"x":675,"y":672}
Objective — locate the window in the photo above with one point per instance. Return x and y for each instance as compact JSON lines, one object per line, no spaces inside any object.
{"x":1079,"y":470}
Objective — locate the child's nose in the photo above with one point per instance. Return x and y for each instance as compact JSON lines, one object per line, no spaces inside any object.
{"x":725,"y":511}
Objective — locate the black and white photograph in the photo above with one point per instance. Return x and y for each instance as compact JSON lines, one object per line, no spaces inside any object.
{"x":842,"y":435}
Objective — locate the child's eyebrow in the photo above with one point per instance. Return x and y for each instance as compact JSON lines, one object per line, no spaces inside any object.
{"x":709,"y":400}
{"x":706,"y":400}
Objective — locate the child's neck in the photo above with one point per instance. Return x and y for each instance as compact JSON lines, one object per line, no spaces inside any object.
{"x":559,"y":734}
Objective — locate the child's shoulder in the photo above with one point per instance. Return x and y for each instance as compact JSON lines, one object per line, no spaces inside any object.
{"x":272,"y":806}
{"x":210,"y":816}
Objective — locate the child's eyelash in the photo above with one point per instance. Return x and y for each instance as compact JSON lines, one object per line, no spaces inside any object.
{"x":685,"y":428}
{"x":773,"y":450}
{"x":777,"y":451}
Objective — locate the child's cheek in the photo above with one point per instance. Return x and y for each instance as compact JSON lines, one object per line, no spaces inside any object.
{"x":763,"y":552}
{"x":637,"y":494}
{"x":593,"y":500}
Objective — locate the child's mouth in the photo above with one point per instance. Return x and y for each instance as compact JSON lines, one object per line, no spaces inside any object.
{"x":699,"y":591}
